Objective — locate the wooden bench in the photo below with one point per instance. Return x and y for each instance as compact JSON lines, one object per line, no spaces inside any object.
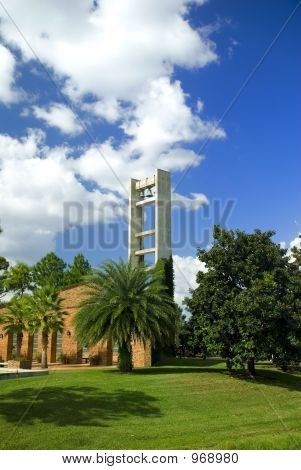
{"x":85,"y":358}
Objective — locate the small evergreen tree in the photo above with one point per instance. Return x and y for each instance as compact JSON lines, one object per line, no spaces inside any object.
{"x":77,"y":271}
{"x":49,"y":271}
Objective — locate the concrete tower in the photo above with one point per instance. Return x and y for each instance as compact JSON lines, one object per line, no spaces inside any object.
{"x":153,"y":190}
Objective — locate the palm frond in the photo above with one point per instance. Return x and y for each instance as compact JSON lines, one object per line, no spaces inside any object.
{"x":125,"y":302}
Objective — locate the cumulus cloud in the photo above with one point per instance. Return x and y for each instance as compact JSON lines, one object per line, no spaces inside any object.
{"x":296,"y":242}
{"x":161,"y":119}
{"x":59,"y":116}
{"x":108,"y":109}
{"x":186,"y":269}
{"x":110,"y":50}
{"x":23,"y":148}
{"x":8,"y":93}
{"x":118,"y":52}
{"x":156,"y":127}
{"x":116,"y":60}
{"x":192,"y":202}
{"x":35,"y":181}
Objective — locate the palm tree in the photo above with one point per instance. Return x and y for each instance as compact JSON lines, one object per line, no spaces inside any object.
{"x":125,"y":303}
{"x":47,"y":315}
{"x":15,"y":319}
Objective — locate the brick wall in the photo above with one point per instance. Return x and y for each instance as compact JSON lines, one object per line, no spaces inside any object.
{"x":27,"y":345}
{"x":5,"y":342}
{"x":142,"y":355}
{"x":71,"y":299}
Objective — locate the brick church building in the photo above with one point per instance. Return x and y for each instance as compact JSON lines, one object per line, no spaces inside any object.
{"x":65,"y":344}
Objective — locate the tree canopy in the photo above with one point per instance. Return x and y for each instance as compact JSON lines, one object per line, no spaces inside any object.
{"x":15,"y":319}
{"x":49,"y":271}
{"x":77,"y":270}
{"x":4,"y":265}
{"x":247,"y":304}
{"x":18,"y":279}
{"x":46,"y":314}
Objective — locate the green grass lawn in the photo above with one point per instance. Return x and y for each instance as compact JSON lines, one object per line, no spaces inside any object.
{"x":185,"y":404}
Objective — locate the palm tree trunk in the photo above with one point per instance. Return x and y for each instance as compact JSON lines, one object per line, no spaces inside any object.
{"x":44,"y":364}
{"x":19,"y":344}
{"x":125,"y":357}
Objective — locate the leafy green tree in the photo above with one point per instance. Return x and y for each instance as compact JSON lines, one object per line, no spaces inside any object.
{"x":296,"y":254}
{"x":240,"y":302}
{"x":125,"y":303}
{"x":15,"y":319}
{"x":4,"y":265}
{"x":49,"y":271}
{"x":77,"y":271}
{"x":19,"y":279}
{"x":288,"y":327}
{"x":47,"y":315}
{"x":190,"y":338}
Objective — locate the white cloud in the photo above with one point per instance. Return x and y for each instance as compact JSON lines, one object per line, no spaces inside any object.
{"x":186,"y":269}
{"x":112,"y":50}
{"x":92,"y":166}
{"x":8,"y":94}
{"x":116,"y":62}
{"x":161,"y":119}
{"x":35,"y":182}
{"x":122,"y":53}
{"x":156,"y":127}
{"x":190,"y":203}
{"x":21,"y":149}
{"x":179,"y":158}
{"x":59,"y":116}
{"x":108,"y":109}
{"x":199,"y":105}
{"x":296,"y":242}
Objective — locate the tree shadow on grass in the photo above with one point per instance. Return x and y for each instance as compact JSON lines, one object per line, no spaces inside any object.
{"x":178,"y":370}
{"x":80,"y":406}
{"x":266,"y":375}
{"x":191,"y":361}
{"x":273,"y":378}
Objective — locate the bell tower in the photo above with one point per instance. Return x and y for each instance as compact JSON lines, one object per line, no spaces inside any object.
{"x":153,"y":190}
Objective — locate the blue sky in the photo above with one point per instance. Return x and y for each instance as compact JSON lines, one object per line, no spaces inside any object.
{"x":150,"y":83}
{"x":258,"y":164}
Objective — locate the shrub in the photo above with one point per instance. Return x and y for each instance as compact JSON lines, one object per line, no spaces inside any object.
{"x":67,"y":359}
{"x":38,"y":357}
{"x":95,"y":359}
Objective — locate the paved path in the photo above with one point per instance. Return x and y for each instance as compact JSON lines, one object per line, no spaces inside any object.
{"x":20,"y":373}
